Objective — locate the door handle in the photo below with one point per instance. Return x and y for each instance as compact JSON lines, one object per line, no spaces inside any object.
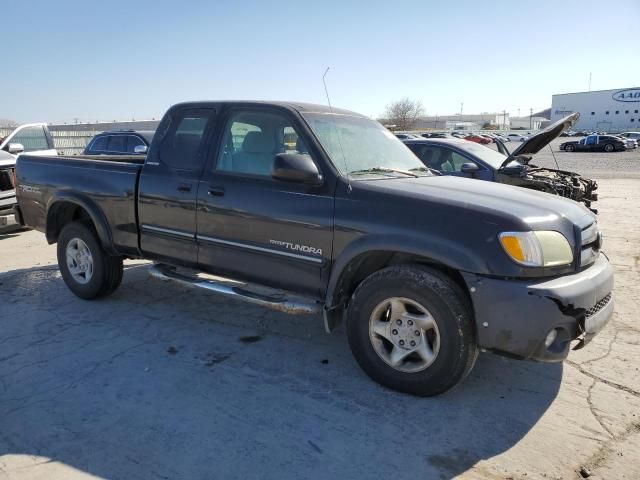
{"x":184,"y":187}
{"x":216,"y":191}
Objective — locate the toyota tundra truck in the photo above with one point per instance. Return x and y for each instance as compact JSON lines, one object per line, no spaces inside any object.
{"x":309,"y":209}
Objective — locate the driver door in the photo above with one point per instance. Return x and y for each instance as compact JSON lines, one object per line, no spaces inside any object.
{"x":253,"y":227}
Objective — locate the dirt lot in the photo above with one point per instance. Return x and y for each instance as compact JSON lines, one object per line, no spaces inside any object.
{"x":159,"y":381}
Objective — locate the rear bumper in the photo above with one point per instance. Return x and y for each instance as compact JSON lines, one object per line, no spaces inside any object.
{"x":514,"y":317}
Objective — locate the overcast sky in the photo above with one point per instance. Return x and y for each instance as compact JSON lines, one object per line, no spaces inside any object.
{"x":132,"y":59}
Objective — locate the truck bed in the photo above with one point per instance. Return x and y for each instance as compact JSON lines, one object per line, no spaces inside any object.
{"x":105,"y":183}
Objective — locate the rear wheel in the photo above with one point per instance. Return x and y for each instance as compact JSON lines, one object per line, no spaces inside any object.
{"x":609,"y":148}
{"x":410,"y":329}
{"x":86,"y":268}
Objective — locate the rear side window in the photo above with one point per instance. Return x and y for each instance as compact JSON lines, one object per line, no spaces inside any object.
{"x":31,"y":138}
{"x":99,"y":144}
{"x":133,"y":142}
{"x":182,"y":145}
{"x":117,"y":144}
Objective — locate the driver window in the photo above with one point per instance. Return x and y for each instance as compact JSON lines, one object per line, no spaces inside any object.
{"x":252,"y":139}
{"x":457,"y":161}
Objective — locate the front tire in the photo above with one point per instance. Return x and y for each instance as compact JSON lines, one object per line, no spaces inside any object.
{"x":410,"y":329}
{"x":569,"y":148}
{"x":86,"y":268}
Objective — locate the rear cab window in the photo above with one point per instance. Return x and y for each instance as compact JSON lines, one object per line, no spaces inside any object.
{"x":183,"y":144}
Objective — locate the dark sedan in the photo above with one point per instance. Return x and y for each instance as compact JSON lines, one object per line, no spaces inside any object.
{"x":120,"y":142}
{"x":467,"y":159}
{"x":595,"y":143}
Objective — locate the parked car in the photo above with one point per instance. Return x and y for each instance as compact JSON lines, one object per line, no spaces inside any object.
{"x":595,"y":143}
{"x":632,"y":135}
{"x":501,"y":137}
{"x":7,"y":189}
{"x":120,"y":142}
{"x":472,"y":137}
{"x":436,"y":135}
{"x":425,"y":269}
{"x":635,"y":136}
{"x":465,"y":159}
{"x":629,"y":143}
{"x":33,"y":138}
{"x":516,"y":137}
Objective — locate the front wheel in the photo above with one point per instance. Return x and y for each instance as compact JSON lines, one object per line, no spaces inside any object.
{"x":86,"y":268}
{"x":410,"y":329}
{"x":569,"y":148}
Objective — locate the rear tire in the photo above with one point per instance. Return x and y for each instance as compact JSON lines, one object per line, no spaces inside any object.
{"x":609,"y":148}
{"x":86,"y":268}
{"x":410,"y":329}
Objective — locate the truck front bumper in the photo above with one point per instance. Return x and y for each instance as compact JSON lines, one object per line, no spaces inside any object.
{"x":515,"y":317}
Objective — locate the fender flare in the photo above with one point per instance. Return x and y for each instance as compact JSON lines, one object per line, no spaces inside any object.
{"x":433,"y":248}
{"x":95,"y":213}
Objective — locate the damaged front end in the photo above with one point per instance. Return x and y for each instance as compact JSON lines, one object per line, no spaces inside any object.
{"x":539,"y":319}
{"x":557,"y":182}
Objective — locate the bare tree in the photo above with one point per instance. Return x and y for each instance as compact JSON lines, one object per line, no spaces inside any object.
{"x":404,"y":113}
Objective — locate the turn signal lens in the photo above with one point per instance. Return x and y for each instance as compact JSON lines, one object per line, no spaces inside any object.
{"x":537,"y":249}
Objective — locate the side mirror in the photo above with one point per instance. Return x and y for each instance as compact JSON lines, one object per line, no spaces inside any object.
{"x":295,"y":167}
{"x":140,"y":149}
{"x":15,"y":148}
{"x":469,"y":167}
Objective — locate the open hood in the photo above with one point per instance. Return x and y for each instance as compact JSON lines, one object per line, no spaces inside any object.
{"x":537,"y":142}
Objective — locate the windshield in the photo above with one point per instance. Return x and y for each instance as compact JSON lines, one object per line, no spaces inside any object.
{"x":486,"y":154}
{"x":358,"y":144}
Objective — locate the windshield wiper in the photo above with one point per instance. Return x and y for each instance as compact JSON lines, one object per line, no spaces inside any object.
{"x":426,"y":169}
{"x":383,"y":170}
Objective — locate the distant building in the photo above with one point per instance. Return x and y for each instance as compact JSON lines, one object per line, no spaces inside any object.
{"x":527,"y":123}
{"x":602,"y":110}
{"x":464,"y":122}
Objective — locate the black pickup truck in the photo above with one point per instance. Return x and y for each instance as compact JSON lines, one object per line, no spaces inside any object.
{"x":308,"y":209}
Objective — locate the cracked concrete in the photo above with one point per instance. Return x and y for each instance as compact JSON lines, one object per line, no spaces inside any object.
{"x":159,"y":381}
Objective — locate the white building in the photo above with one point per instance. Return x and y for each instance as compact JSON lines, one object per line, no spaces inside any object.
{"x":527,"y":123}
{"x":602,"y":110}
{"x":465,"y":121}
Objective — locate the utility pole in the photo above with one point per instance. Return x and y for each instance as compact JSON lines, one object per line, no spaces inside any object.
{"x":461,"y":105}
{"x":530,"y":119}
{"x":504,"y":119}
{"x":589,"y":81}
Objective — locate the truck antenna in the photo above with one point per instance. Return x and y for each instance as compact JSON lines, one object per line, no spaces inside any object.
{"x":344,"y":159}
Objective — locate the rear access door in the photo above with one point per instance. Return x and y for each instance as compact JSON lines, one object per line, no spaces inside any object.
{"x":169,"y":185}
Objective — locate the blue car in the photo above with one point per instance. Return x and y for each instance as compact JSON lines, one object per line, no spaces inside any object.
{"x":468,"y":159}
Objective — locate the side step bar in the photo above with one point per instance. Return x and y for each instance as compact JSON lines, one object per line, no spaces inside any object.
{"x":252,"y":293}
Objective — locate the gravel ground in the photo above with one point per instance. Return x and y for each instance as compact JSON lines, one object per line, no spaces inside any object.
{"x":589,"y":164}
{"x":159,"y":381}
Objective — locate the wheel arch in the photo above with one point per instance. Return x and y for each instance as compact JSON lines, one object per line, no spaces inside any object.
{"x":66,"y":207}
{"x":363,"y":258}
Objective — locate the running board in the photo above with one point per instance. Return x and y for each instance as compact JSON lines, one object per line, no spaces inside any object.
{"x":252,"y":293}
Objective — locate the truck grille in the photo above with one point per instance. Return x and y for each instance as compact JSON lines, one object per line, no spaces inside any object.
{"x":598,"y":306}
{"x":591,"y":244}
{"x":7,"y":179}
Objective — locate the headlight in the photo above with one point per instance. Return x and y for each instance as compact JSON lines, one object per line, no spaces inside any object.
{"x":537,"y":249}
